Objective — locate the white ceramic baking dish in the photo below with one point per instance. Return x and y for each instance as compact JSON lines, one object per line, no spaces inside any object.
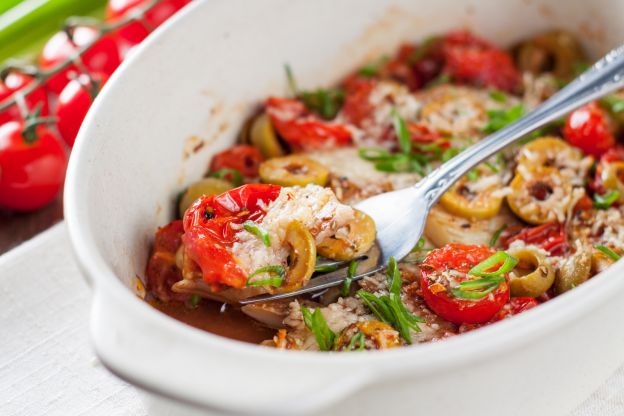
{"x":182,"y":97}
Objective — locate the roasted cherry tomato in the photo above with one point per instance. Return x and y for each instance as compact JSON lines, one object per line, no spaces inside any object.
{"x":133,"y":33}
{"x":302,"y":129}
{"x":243,"y":158}
{"x":74,"y":102}
{"x":103,"y":57}
{"x":162,"y":272}
{"x":550,"y":236}
{"x":435,"y":285}
{"x":357,"y":107}
{"x":473,"y":60}
{"x":13,"y":81}
{"x":588,"y":129}
{"x":32,"y":166}
{"x":514,"y":307}
{"x":208,"y":229}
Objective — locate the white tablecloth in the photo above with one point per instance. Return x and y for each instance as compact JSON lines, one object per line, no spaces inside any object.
{"x":47,"y":366}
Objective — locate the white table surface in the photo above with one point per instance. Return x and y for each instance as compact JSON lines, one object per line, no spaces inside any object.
{"x":47,"y":366}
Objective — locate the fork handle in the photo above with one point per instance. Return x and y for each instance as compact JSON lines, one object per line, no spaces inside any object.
{"x":605,"y":76}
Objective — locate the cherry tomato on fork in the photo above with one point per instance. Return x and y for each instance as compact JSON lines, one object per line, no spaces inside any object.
{"x":32,"y":166}
{"x":588,"y":129}
{"x":302,"y":129}
{"x":458,"y":259}
{"x":74,"y":103}
{"x":103,"y":57}
{"x":12,"y":81}
{"x":243,"y":158}
{"x":133,"y":33}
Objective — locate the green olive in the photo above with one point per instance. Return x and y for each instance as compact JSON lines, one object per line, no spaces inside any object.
{"x":206,"y":186}
{"x":557,"y":52}
{"x":573,"y":272}
{"x":380,"y":335}
{"x":461,"y":200}
{"x":548,"y":151}
{"x":264,"y":138}
{"x":532,"y":276}
{"x":302,"y":257}
{"x":358,"y":239}
{"x":293,"y":170}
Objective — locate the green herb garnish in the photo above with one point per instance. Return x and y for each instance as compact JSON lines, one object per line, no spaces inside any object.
{"x":450,"y":153}
{"x":372,"y":69}
{"x":401,"y":131}
{"x":194,"y":302}
{"x":394,"y":277}
{"x":258,"y":231}
{"x":608,"y":252}
{"x":359,"y":339}
{"x":606,"y":200}
{"x":290,"y":77}
{"x":477,"y":288}
{"x":501,"y":118}
{"x":277,"y":271}
{"x":498,"y":95}
{"x":326,"y":268}
{"x":472,"y":175}
{"x":315,"y":321}
{"x":351,"y":271}
{"x":491,"y":166}
{"x":497,"y":235}
{"x":391,"y":310}
{"x":325,"y":102}
{"x":231,"y":175}
{"x":614,"y":103}
{"x":506,"y":262}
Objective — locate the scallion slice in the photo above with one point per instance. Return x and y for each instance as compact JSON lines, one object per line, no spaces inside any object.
{"x":374,"y":153}
{"x":277,"y":271}
{"x":508,"y":263}
{"x":258,"y":231}
{"x":606,"y":200}
{"x":359,"y":339}
{"x":351,"y":271}
{"x":477,"y":288}
{"x":608,"y":252}
{"x":400,"y":128}
{"x":497,"y":235}
{"x":394,"y":276}
{"x":315,"y":321}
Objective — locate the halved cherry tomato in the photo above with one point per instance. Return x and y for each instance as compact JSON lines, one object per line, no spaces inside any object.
{"x":102,"y":57}
{"x":161,"y":272}
{"x":208,"y":229}
{"x":32,"y":168}
{"x":74,"y":102}
{"x":133,"y":33}
{"x":14,"y":81}
{"x":550,"y":236}
{"x":588,"y":129}
{"x":471,"y":59}
{"x":460,"y":258}
{"x":243,"y":158}
{"x":302,"y":129}
{"x":514,"y":307}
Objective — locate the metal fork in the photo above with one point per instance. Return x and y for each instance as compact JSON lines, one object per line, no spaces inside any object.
{"x":400,"y":216}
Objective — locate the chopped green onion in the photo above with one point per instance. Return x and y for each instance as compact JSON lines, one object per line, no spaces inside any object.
{"x":400,"y":129}
{"x":498,"y":95}
{"x":276,"y":281}
{"x":579,"y":67}
{"x":231,"y":175}
{"x":508,"y":263}
{"x":608,"y":252}
{"x":472,"y":175}
{"x":423,"y":49}
{"x":439,"y":80}
{"x":501,"y":118}
{"x":372,"y":69}
{"x":325,"y":102}
{"x":477,"y":288}
{"x":315,"y":321}
{"x":194,"y":302}
{"x":606,"y":200}
{"x":326,"y":269}
{"x":492,"y":166}
{"x":290,"y":77}
{"x":258,"y":231}
{"x":350,"y":274}
{"x":614,"y":103}
{"x":497,"y":235}
{"x":394,"y":277}
{"x":450,"y":153}
{"x":358,"y":339}
{"x":374,"y":153}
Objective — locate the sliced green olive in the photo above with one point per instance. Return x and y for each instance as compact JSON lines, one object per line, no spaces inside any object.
{"x":302,"y":257}
{"x":357,"y":239}
{"x":264,"y":138}
{"x":532,"y":276}
{"x":206,"y":186}
{"x":293,"y":170}
{"x":574,"y":271}
{"x":548,"y":151}
{"x":465,"y":202}
{"x":611,"y":176}
{"x":541,"y":196}
{"x":558,"y":52}
{"x":379,"y":334}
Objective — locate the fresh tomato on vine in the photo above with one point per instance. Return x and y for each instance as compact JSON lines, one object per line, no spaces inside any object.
{"x":208,"y":231}
{"x":133,"y":33}
{"x":13,"y":80}
{"x":302,"y":129}
{"x":32,"y":165}
{"x":74,"y":102}
{"x":454,"y":294}
{"x":102,"y":57}
{"x":242,"y":158}
{"x":588,"y":128}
